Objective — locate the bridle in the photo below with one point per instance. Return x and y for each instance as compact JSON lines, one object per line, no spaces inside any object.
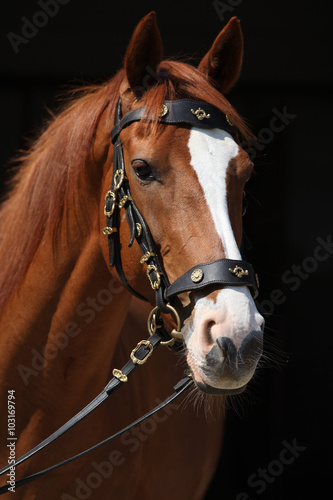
{"x":225,"y":272}
{"x":219,"y":272}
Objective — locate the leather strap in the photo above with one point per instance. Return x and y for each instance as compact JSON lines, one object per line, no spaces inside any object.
{"x":180,"y":111}
{"x":140,"y":353}
{"x":134,"y":218}
{"x":193,"y":113}
{"x":179,"y":389}
{"x":222,"y":271}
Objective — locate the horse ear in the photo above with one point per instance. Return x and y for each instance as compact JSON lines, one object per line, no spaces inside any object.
{"x":144,"y":53}
{"x":222,"y":63}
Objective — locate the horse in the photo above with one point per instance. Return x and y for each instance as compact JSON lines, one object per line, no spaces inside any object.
{"x":171,"y":221}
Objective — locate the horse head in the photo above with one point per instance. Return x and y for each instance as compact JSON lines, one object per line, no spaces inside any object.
{"x":185,"y":178}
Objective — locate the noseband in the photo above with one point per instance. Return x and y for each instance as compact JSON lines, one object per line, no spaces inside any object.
{"x":226,"y":272}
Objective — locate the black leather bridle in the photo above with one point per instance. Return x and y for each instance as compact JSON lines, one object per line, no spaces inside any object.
{"x":225,"y":272}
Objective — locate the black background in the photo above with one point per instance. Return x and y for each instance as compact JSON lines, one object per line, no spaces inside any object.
{"x":287,"y":66}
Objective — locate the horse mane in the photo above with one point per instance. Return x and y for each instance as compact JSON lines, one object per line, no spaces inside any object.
{"x":47,"y":173}
{"x":178,"y":80}
{"x":51,"y":170}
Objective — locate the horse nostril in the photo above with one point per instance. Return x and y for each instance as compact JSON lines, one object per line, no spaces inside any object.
{"x":228,"y":349}
{"x":210,"y":338}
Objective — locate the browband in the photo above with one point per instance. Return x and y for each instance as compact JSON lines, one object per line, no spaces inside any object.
{"x":194,"y":113}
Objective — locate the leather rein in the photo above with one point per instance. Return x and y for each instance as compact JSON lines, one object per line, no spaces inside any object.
{"x":227,"y":272}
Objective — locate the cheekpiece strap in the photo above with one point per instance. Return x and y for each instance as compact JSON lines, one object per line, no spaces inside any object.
{"x":222,"y":271}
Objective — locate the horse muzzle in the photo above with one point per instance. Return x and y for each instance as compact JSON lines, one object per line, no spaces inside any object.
{"x":226,"y":369}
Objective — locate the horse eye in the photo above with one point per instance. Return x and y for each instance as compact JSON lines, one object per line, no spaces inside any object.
{"x":142,"y":170}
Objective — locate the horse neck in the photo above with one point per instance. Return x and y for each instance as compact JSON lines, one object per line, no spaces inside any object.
{"x":66,"y":314}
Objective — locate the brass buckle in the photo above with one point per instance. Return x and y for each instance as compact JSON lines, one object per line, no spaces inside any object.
{"x":154,"y":284}
{"x":117,"y":183}
{"x":148,"y":345}
{"x":112,"y":195}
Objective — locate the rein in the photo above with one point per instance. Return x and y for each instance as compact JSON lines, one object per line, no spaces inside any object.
{"x":222,"y":271}
{"x":138,"y":357}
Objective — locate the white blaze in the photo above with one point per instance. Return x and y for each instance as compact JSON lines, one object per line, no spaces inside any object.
{"x":211,"y":151}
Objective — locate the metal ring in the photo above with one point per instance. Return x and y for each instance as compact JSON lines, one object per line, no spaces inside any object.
{"x":152,"y":330}
{"x":176,"y":333}
{"x":151,"y":322}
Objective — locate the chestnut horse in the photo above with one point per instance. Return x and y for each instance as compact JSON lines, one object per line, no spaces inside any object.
{"x":67,"y":320}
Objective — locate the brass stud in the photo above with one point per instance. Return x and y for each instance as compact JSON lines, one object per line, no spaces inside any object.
{"x":109,"y":230}
{"x":124,"y":200}
{"x":229,"y":121}
{"x":146,"y":257}
{"x":197,"y":275}
{"x":257,"y":280}
{"x":239,"y":271}
{"x":119,"y":375}
{"x":200,"y":114}
{"x":164,"y":110}
{"x":138,"y":229}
